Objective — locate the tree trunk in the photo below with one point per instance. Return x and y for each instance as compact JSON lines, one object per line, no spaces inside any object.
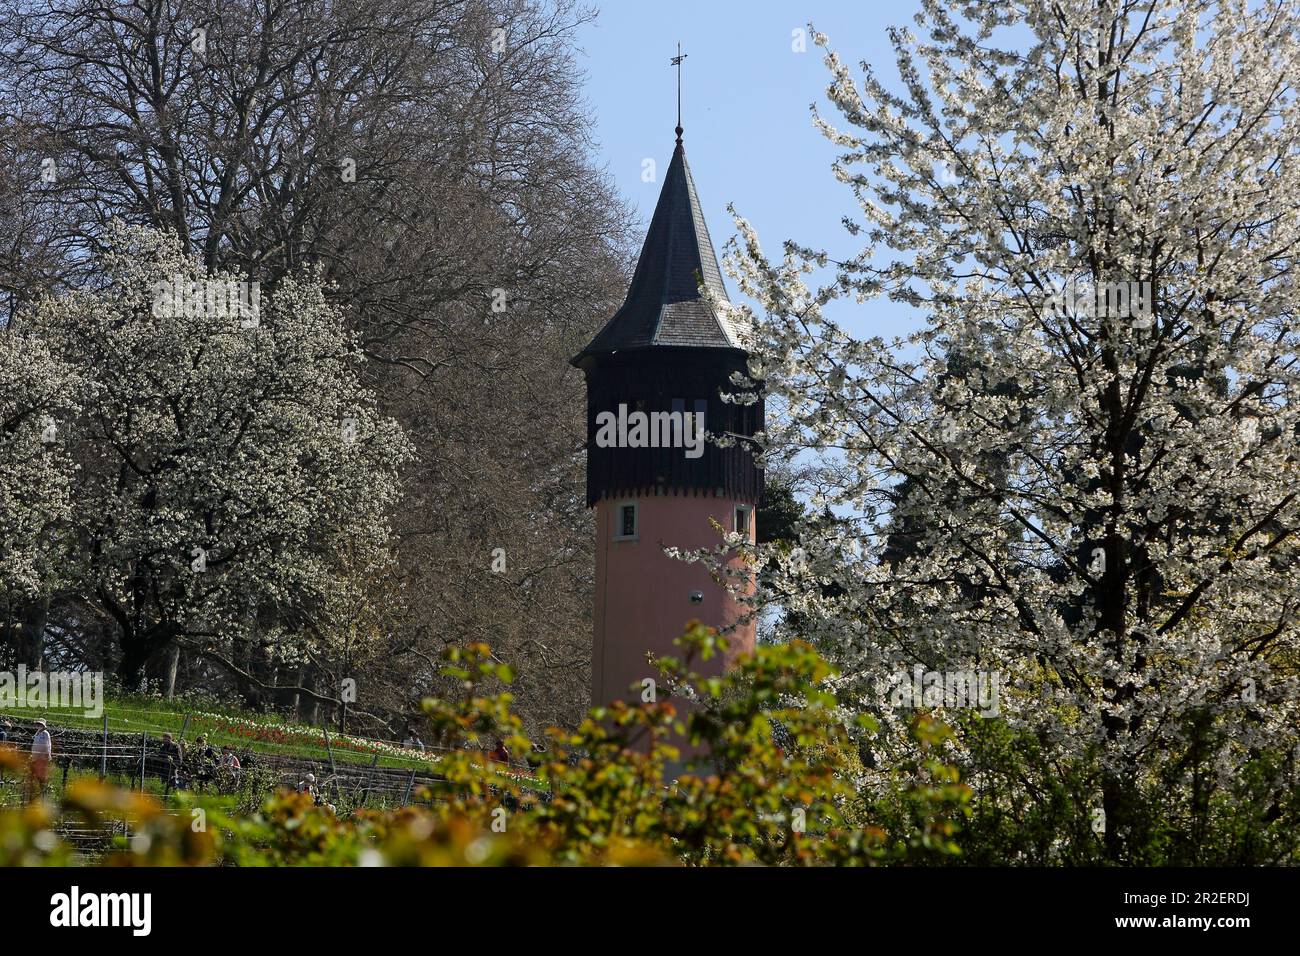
{"x":31,"y":633}
{"x":135,"y":659}
{"x":294,"y":696}
{"x":239,"y":656}
{"x":313,"y":705}
{"x":171,"y":664}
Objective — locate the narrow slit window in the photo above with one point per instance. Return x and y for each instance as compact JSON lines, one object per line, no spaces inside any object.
{"x":626,"y":521}
{"x":742,"y":519}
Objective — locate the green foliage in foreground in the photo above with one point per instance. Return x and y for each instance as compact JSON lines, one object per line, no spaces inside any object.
{"x":603,"y":794}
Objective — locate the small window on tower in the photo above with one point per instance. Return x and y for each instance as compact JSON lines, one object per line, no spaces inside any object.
{"x":701,"y":413}
{"x":626,"y":517}
{"x":742,"y":519}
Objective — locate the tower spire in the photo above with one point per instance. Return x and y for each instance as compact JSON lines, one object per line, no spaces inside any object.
{"x":677,"y":62}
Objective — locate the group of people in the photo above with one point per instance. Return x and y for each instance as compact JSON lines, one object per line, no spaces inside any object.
{"x":202,"y":765}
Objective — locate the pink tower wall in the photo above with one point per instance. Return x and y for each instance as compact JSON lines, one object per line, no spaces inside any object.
{"x":643,"y":596}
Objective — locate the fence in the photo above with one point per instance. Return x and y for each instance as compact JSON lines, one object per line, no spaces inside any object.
{"x":134,"y":760}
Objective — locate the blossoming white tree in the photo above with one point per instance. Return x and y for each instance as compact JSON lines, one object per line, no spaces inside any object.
{"x":1094,"y":496}
{"x":233,"y":467}
{"x":36,"y":403}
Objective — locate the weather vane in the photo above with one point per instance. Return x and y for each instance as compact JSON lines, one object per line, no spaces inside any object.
{"x":677,"y":62}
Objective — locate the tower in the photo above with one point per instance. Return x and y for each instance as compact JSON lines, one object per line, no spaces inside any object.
{"x":666,"y":350}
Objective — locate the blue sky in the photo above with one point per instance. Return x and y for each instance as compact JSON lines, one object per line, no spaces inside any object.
{"x":749,"y":137}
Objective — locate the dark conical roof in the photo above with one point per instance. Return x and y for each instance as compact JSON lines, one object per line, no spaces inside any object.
{"x":664,"y":307}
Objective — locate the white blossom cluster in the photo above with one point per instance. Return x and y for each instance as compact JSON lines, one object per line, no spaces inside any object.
{"x":37,"y":400}
{"x":229,"y":475}
{"x":1102,"y":510}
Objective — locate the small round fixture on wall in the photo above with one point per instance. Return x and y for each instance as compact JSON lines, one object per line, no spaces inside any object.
{"x":697,"y":597}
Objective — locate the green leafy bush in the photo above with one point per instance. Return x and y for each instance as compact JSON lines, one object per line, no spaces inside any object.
{"x":699,"y":779}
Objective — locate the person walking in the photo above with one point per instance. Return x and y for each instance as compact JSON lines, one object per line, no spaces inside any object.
{"x":42,"y":754}
{"x":173,"y":754}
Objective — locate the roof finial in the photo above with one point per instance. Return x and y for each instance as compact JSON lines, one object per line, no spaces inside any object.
{"x":677,"y":62}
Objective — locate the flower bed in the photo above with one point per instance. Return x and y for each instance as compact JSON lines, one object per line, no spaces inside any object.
{"x":291,"y":736}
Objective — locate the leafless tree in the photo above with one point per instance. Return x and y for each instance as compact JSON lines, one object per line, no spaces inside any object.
{"x":432,"y":157}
